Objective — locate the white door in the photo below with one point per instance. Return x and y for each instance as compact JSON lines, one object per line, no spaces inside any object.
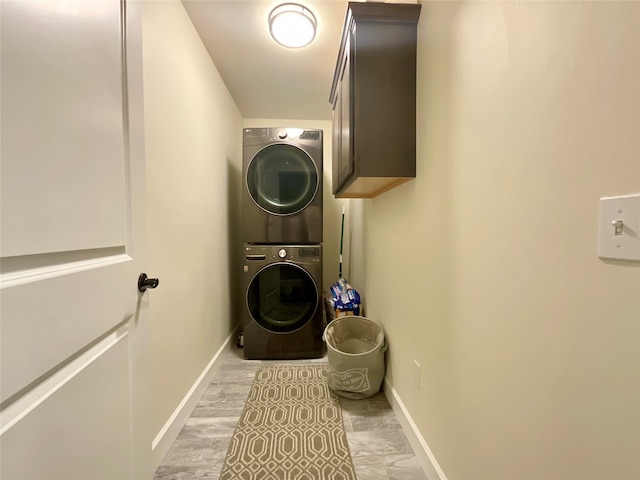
{"x":73,"y":329}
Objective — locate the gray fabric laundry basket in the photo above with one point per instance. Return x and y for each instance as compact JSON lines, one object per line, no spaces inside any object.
{"x":355,"y":349}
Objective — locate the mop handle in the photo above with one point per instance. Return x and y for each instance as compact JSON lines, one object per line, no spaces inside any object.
{"x":341,"y":241}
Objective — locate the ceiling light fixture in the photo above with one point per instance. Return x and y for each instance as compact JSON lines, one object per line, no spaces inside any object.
{"x":292,"y":25}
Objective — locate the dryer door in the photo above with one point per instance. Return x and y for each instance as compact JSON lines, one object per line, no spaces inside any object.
{"x":282,"y":179}
{"x":282,"y":297}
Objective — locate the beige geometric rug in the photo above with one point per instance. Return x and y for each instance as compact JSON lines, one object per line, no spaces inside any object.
{"x":290,"y":429}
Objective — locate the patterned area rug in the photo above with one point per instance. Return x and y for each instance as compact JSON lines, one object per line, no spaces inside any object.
{"x":291,"y":429}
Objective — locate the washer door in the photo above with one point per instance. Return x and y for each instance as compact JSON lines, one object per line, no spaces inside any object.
{"x":282,"y":297}
{"x":282,"y":179}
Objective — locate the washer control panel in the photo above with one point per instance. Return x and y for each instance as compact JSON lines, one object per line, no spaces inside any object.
{"x":269,"y":253}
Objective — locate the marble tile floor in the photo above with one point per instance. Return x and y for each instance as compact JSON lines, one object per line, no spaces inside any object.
{"x":379,"y":448}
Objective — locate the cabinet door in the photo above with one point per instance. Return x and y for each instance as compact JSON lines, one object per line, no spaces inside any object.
{"x":336,"y":140}
{"x":345,"y":163}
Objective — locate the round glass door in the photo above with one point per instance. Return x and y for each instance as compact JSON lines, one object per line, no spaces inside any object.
{"x":282,"y":179}
{"x":282,"y":297}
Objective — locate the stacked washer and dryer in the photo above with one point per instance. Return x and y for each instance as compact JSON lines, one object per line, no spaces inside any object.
{"x":282,"y":230}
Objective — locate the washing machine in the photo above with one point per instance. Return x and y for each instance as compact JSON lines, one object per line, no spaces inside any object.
{"x":282,"y":194}
{"x":282,"y":316}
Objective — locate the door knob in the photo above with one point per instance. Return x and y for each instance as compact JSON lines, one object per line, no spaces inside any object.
{"x":145,"y":282}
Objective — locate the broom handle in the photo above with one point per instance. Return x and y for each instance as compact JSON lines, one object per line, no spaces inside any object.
{"x":341,"y":241}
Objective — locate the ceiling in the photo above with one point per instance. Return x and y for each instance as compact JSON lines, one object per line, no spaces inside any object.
{"x":265,"y":79}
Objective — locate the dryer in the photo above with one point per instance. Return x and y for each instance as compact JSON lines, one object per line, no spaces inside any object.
{"x":282,"y":194}
{"x":282,"y":315}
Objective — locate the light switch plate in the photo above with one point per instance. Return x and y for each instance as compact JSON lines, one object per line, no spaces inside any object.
{"x":615,"y":239}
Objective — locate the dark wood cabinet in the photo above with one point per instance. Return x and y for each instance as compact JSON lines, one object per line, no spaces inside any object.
{"x":373,"y":96}
{"x":343,"y":160}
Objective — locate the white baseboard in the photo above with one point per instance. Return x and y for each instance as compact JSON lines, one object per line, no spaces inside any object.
{"x":169,"y":432}
{"x":423,"y":452}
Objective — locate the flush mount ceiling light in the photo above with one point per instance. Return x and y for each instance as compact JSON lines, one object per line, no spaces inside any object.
{"x":292,"y":25}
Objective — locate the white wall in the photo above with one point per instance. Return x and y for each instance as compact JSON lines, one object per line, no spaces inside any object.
{"x":332,"y":207}
{"x":193,"y":144}
{"x":484,"y":268}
